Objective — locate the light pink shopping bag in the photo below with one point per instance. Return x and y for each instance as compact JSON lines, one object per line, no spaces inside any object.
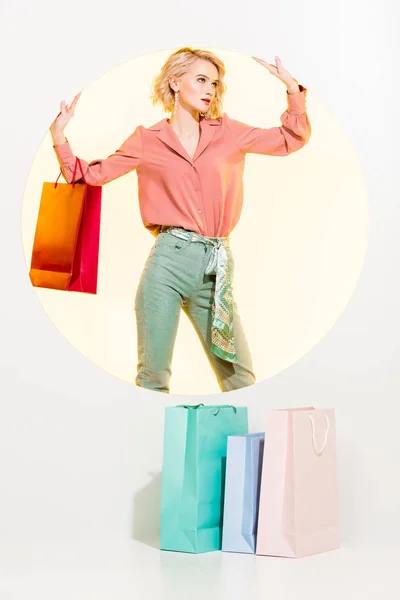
{"x":298,"y":513}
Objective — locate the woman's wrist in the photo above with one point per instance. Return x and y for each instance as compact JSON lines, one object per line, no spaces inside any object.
{"x":293,"y":87}
{"x":58,"y":138}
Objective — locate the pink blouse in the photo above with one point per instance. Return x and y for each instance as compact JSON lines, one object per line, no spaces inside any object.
{"x":204,"y":193}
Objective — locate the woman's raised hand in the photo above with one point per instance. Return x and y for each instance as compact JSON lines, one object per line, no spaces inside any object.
{"x":278,"y":70}
{"x":66,"y":114}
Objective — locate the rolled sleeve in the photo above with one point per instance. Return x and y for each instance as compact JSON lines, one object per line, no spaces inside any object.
{"x":292,"y":135}
{"x":101,"y":171}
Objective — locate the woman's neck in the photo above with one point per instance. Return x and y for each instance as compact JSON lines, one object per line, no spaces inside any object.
{"x":185,"y":124}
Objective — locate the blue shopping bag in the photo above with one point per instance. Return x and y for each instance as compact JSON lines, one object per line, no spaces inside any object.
{"x":242,"y":492}
{"x":193,"y":475}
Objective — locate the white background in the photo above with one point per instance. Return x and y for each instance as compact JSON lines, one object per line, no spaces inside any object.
{"x":80,"y":450}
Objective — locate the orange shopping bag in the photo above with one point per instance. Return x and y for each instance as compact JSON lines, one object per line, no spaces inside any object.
{"x":66,"y":244}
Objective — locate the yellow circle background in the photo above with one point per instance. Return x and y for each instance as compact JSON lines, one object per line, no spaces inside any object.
{"x":298,"y":248}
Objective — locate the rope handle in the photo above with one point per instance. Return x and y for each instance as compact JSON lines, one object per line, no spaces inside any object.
{"x":73,"y":177}
{"x":328,"y":426}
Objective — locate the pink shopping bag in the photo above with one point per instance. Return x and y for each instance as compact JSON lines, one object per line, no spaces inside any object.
{"x":298,"y":511}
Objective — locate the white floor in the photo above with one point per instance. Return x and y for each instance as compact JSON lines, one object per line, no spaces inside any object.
{"x":116,"y":570}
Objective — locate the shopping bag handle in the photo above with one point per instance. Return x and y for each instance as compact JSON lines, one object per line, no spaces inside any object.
{"x":225,"y":406}
{"x":73,"y":177}
{"x":215,"y":414}
{"x":328,"y":426}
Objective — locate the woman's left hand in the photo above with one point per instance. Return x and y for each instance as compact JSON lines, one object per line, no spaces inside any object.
{"x":279,"y":71}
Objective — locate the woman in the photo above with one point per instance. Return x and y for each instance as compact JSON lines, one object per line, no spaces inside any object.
{"x":190,"y":170}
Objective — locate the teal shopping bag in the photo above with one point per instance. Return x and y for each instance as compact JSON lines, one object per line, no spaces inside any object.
{"x":193,"y":475}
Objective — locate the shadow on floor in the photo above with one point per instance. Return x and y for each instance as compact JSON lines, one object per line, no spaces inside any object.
{"x":146,"y":513}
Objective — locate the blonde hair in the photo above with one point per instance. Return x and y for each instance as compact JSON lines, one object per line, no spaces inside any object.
{"x":178,"y":64}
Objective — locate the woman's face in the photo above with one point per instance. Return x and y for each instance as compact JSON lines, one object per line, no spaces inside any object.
{"x":199,"y":83}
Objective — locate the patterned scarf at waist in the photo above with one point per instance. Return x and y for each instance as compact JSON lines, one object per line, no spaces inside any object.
{"x":222,"y":327}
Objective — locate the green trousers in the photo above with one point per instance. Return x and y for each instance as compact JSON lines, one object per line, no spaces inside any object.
{"x":172,"y":280}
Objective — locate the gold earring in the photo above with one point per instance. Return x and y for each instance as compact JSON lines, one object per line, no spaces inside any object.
{"x":176,"y":102}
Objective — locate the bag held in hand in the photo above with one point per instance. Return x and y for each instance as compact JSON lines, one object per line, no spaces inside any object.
{"x":66,"y":244}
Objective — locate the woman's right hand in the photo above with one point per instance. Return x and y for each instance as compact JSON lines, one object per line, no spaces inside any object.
{"x":63,"y":117}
